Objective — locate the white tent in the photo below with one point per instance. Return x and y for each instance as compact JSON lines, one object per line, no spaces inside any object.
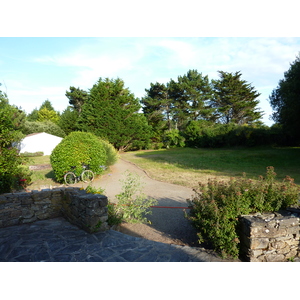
{"x":39,"y":142}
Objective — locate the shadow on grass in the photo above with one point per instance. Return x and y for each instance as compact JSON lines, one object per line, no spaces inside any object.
{"x":230,"y":161}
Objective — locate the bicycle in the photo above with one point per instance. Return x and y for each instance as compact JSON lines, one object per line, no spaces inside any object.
{"x":86,"y":176}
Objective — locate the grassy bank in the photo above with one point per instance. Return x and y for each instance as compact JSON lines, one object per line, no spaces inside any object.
{"x":187,"y":166}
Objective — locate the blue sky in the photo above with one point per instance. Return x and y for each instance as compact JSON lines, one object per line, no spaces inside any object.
{"x":38,"y":68}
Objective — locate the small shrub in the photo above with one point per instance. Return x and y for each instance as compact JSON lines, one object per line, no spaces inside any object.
{"x":173,"y":138}
{"x":215,"y":207}
{"x":78,"y":149}
{"x":132,"y":204}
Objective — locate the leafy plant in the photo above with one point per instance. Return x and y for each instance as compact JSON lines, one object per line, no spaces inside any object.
{"x":132,"y":204}
{"x":92,"y":190}
{"x":13,"y":175}
{"x":78,"y":149}
{"x":216,"y":206}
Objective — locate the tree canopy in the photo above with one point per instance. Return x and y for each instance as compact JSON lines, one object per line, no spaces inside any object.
{"x":285,"y":102}
{"x":111,"y":112}
{"x":235,"y":99}
{"x":76,"y":97}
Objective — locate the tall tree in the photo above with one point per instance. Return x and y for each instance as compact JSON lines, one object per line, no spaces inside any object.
{"x":235,"y":99}
{"x":48,"y":105}
{"x":157,"y":107}
{"x":285,"y":102}
{"x":68,"y":120}
{"x":76,"y":97}
{"x":191,"y":96}
{"x":112,"y":112}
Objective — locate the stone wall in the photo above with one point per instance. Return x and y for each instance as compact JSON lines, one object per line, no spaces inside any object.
{"x":270,"y":237}
{"x":87,"y":211}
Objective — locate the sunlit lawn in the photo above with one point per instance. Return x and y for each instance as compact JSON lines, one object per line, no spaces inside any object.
{"x":187,"y":166}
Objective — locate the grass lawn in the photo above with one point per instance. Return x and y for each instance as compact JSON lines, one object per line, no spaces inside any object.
{"x":188,"y":166}
{"x":41,"y":178}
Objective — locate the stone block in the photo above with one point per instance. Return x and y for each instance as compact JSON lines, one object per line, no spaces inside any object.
{"x":292,"y":253}
{"x":284,"y":250}
{"x":15,"y":214}
{"x":261,"y":232}
{"x":27,"y":214}
{"x":259,"y":243}
{"x":273,"y":257}
{"x":278,"y":244}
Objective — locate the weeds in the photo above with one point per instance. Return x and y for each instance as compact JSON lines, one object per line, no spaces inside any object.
{"x":132,"y":204}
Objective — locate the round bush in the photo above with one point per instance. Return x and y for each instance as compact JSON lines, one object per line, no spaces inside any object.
{"x":78,"y":149}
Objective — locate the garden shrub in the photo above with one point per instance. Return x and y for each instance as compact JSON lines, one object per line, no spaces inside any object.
{"x":216,"y":206}
{"x":13,"y":174}
{"x":111,"y":153}
{"x":78,"y":149}
{"x":173,"y":138}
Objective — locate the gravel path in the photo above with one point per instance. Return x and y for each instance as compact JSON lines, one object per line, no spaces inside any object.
{"x":168,"y":224}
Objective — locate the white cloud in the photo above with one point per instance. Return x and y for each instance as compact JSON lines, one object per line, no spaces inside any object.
{"x":140,"y":61}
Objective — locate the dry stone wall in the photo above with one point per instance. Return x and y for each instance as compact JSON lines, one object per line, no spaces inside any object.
{"x":87,"y":211}
{"x":270,"y":237}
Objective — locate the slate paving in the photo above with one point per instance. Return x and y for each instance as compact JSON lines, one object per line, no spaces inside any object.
{"x":56,"y":240}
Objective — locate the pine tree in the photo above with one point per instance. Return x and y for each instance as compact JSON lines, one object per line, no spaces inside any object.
{"x":76,"y":97}
{"x":112,"y":112}
{"x":235,"y":99}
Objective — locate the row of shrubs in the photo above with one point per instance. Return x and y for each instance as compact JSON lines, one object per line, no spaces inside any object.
{"x":217,"y":206}
{"x":203,"y":134}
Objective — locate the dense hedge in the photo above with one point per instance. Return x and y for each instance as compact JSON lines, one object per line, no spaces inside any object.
{"x":205,"y":134}
{"x":78,"y":149}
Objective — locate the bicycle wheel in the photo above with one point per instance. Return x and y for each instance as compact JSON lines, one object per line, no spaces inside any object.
{"x":87,"y":176}
{"x":70,"y":178}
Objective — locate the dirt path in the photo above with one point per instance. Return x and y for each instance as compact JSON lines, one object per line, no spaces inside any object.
{"x":168,"y":224}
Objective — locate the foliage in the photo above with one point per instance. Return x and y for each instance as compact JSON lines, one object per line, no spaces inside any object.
{"x":68,"y":120}
{"x":207,"y":134}
{"x":78,"y":149}
{"x":46,"y":126}
{"x":216,"y":206}
{"x":173,"y":105}
{"x":45,"y":114}
{"x":285,"y":102}
{"x":32,"y":154}
{"x":132,"y":204}
{"x":12,"y":174}
{"x":111,"y":112}
{"x":76,"y":97}
{"x":92,"y":190}
{"x":111,"y":153}
{"x":172,"y":138}
{"x":235,"y":99}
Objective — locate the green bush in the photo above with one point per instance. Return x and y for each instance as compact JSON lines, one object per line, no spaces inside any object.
{"x":78,"y":149}
{"x":111,"y":153}
{"x":13,"y":175}
{"x":173,"y":138}
{"x":216,"y":207}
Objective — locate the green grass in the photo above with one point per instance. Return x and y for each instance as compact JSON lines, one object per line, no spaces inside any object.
{"x":41,"y":178}
{"x":187,"y":166}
